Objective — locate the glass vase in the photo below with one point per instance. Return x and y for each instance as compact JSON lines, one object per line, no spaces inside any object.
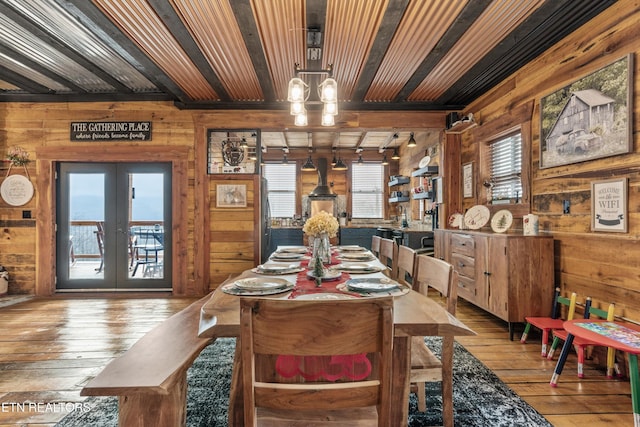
{"x":322,"y":248}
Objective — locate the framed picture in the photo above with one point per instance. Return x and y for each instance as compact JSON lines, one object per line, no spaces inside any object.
{"x":588,"y":119}
{"x":467,"y":180}
{"x":609,"y":205}
{"x":231,"y":196}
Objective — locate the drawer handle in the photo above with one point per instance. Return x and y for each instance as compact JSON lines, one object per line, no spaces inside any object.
{"x":460,"y":264}
{"x":486,"y":273}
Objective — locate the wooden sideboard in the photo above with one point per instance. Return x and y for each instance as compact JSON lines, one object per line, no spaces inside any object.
{"x":508,"y":275}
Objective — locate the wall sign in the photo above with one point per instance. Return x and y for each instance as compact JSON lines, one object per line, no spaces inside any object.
{"x":609,"y":205}
{"x":110,"y":131}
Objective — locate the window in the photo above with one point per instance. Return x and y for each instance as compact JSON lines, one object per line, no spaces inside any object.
{"x":281,"y":188}
{"x":506,"y":167}
{"x":366,"y":190}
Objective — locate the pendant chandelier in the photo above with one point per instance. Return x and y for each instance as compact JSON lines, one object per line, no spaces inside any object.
{"x":299,"y":91}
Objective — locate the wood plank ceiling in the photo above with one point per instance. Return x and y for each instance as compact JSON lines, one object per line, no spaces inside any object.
{"x":240,"y":54}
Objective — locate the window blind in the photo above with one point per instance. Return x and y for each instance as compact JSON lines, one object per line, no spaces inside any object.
{"x":506,"y":167}
{"x":367,"y":190}
{"x":281,"y":189}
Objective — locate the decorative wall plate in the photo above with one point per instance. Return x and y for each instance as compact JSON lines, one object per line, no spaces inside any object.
{"x":501,"y":221}
{"x":455,"y":220}
{"x":16,"y":190}
{"x":477,"y":217}
{"x":424,"y":162}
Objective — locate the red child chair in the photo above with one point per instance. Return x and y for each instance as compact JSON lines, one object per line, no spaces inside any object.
{"x":547,"y":324}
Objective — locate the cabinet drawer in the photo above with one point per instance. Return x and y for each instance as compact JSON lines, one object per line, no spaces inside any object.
{"x":464,"y":265}
{"x":467,"y":288}
{"x":463,"y":244}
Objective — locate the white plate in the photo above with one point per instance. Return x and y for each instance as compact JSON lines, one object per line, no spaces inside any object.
{"x":357,"y":256}
{"x":294,"y":250}
{"x":260,"y":284}
{"x":455,"y":220}
{"x":16,"y":190}
{"x":361,"y":268}
{"x":329,"y":274}
{"x":381,"y":284}
{"x":501,"y":221}
{"x":424,"y":162}
{"x":284,"y":256}
{"x":477,"y":217}
{"x":275,"y":269}
{"x":230,"y":288}
{"x":325,"y":296}
{"x":351,"y":248}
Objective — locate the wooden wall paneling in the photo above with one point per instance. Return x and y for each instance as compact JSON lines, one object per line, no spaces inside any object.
{"x":601,"y":265}
{"x":45,"y":192}
{"x":234,"y":232}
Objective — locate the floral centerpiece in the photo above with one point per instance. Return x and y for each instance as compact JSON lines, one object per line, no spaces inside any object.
{"x":18,"y":156}
{"x":320,"y":228}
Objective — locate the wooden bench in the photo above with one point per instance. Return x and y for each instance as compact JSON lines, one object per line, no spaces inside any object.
{"x":150,"y":378}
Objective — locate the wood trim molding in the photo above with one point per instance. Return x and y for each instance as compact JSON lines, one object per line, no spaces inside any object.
{"x":48,"y":157}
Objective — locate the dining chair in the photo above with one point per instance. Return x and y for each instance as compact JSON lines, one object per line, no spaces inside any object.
{"x":547,"y":324}
{"x":148,"y":246}
{"x":581,"y":345}
{"x":375,"y":246}
{"x":388,"y":255}
{"x":436,"y":275}
{"x":404,"y":271}
{"x":100,"y":240}
{"x":314,"y":329}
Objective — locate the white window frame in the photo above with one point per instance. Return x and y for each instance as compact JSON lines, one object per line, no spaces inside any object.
{"x":281,"y":188}
{"x":367,"y":190}
{"x":505,"y":167}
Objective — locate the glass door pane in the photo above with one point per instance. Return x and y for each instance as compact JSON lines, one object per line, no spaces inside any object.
{"x":111,"y":226}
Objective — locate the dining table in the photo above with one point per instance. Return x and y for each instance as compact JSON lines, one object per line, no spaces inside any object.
{"x":623,"y":336}
{"x":414,"y":314}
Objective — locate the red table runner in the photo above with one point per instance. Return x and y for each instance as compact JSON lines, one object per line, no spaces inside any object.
{"x":331,"y":368}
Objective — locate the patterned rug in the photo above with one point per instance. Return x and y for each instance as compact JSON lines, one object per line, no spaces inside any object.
{"x":480,"y":398}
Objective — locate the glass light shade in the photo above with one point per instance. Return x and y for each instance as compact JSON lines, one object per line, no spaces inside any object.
{"x":327,"y":120}
{"x":297,"y":107}
{"x":298,"y":90}
{"x":328,"y":90}
{"x":301,"y":119}
{"x":330,"y":108}
{"x":396,"y":155}
{"x":385,"y":162}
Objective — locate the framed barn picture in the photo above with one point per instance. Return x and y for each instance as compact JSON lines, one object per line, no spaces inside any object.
{"x":588,"y":119}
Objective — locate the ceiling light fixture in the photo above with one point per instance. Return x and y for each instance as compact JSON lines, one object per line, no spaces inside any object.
{"x":334,"y":160}
{"x":385,"y":162}
{"x":308,"y":165}
{"x":340,"y":165}
{"x":412,"y":141}
{"x":299,"y":91}
{"x":360,"y":161}
{"x":396,"y":155}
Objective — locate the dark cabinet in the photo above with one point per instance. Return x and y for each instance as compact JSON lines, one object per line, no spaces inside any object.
{"x":357,"y":236}
{"x":285,"y":237}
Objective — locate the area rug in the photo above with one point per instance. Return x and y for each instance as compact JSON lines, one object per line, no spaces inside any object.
{"x":480,"y":397}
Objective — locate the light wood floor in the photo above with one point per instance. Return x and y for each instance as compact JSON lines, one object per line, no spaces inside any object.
{"x":50,"y":347}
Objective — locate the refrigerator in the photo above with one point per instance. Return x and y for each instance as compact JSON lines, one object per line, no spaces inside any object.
{"x":265,"y":221}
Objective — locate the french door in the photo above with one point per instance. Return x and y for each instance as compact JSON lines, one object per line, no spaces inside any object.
{"x":113,"y":226}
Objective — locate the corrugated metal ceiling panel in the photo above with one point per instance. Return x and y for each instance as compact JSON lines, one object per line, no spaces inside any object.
{"x":422,"y":26}
{"x":214,"y":28}
{"x":350,"y":33}
{"x":500,"y":18}
{"x":138,"y":20}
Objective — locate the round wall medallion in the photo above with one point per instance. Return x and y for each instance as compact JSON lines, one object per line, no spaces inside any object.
{"x":16,"y":190}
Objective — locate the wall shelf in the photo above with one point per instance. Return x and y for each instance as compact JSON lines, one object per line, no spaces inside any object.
{"x":427,"y":170}
{"x":399,"y":180}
